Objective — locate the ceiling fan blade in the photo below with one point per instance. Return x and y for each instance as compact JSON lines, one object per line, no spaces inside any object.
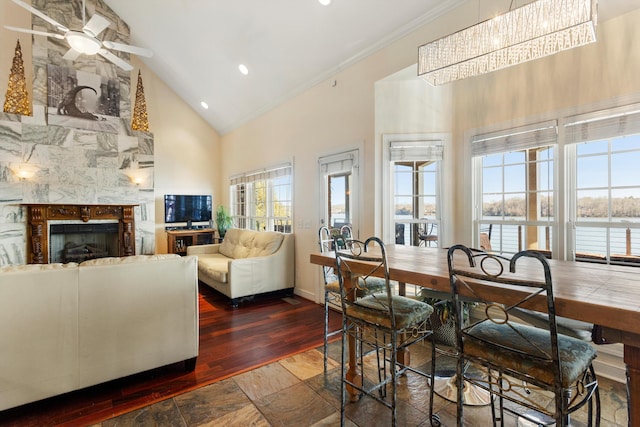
{"x":39,"y":33}
{"x":96,"y":25}
{"x":36,"y":12}
{"x":115,"y":59}
{"x":71,"y":55}
{"x":140,"y":51}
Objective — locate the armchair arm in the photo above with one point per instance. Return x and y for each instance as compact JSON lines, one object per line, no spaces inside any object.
{"x":255,"y":275}
{"x":212,"y":248}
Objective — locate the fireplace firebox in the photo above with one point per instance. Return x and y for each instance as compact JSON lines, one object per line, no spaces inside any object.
{"x":74,"y":233}
{"x":81,"y":242}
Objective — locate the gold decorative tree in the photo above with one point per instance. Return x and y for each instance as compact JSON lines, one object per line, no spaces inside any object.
{"x":17,"y":98}
{"x":140,"y":119}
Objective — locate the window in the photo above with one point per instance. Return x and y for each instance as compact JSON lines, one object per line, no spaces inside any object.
{"x":338,"y":179}
{"x":515,"y":197}
{"x":604,"y":153}
{"x":339,"y":198}
{"x":573,"y":195}
{"x":415,"y":175}
{"x":263,"y":200}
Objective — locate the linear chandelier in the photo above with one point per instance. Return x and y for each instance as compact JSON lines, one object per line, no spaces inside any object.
{"x":532,"y":31}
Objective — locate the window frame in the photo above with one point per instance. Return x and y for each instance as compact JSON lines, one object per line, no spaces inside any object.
{"x":521,"y":138}
{"x":412,"y":143}
{"x":244,"y":195}
{"x":617,"y":118}
{"x":596,"y":127}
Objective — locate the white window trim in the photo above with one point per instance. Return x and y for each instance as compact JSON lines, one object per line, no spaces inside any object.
{"x":347,"y":161}
{"x":259,"y":174}
{"x":527,"y":136}
{"x":563,"y":169}
{"x":445,"y":183}
{"x":595,"y":125}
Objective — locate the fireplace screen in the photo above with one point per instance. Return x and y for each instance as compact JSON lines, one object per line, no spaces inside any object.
{"x":80,"y":242}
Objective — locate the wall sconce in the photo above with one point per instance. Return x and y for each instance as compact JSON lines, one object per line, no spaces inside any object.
{"x":136,"y":176}
{"x":24,"y":170}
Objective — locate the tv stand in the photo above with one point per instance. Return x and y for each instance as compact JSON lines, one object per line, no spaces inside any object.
{"x":186,"y":227}
{"x":180,"y":238}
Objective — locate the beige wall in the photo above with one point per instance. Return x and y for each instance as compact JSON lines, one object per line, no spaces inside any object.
{"x":327,"y":119}
{"x":14,"y":15}
{"x":323,"y":120}
{"x":187,"y":149}
{"x":405,"y":105}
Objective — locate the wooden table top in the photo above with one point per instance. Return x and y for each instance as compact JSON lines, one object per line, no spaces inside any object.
{"x":608,"y":295}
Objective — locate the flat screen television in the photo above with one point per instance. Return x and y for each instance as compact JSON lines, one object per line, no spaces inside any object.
{"x":186,"y":208}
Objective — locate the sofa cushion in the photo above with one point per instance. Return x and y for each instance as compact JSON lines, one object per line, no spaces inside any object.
{"x":214,"y":266}
{"x":127,"y":259}
{"x":239,"y":243}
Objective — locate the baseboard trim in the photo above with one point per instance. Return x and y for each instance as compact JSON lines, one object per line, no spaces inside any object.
{"x":304,"y":294}
{"x":610,"y":362}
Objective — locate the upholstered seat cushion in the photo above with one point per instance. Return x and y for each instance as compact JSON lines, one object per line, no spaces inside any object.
{"x":366,"y":286}
{"x":214,"y":266}
{"x":407,"y":311}
{"x":575,"y":355}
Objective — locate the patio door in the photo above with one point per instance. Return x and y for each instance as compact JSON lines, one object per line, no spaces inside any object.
{"x":340,"y":190}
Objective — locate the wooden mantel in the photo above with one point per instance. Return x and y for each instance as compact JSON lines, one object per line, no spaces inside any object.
{"x":39,"y":215}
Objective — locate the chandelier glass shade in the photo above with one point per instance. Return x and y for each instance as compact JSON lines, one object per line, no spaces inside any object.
{"x":532,"y":31}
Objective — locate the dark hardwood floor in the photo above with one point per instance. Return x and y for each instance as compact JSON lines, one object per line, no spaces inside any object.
{"x":231,"y":341}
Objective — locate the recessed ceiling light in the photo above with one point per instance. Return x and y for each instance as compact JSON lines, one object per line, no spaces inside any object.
{"x":325,"y":2}
{"x":204,"y":105}
{"x":243,"y":69}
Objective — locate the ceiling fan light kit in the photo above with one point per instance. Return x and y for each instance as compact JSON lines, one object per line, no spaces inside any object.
{"x":83,"y":43}
{"x":86,"y":41}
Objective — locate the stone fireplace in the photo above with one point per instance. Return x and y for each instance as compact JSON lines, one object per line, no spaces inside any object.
{"x":74,"y":233}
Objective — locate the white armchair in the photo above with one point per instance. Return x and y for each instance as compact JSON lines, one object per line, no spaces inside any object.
{"x":247,"y":263}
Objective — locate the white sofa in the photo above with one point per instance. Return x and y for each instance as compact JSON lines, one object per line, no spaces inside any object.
{"x":69,"y":326}
{"x":247,"y":263}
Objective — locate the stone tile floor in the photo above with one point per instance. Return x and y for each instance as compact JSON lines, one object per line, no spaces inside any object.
{"x":294,"y":392}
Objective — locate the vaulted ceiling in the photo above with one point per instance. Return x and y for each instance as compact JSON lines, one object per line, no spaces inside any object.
{"x":287,"y":45}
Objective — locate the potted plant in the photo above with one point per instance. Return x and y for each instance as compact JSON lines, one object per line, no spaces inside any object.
{"x":224,"y":221}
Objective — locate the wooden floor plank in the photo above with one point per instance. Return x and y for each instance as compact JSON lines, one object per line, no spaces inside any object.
{"x":231,"y":341}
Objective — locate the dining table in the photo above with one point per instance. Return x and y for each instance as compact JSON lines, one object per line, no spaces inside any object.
{"x":603,"y":294}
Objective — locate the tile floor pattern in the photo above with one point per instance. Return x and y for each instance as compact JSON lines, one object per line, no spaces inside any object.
{"x":293,"y":392}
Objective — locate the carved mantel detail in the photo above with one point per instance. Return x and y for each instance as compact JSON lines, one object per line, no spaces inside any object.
{"x":38,"y":217}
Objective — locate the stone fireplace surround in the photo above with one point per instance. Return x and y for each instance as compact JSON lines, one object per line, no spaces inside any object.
{"x":74,"y":165}
{"x":39,"y":215}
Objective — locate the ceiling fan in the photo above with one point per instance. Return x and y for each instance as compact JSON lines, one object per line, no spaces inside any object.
{"x":85,"y":41}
